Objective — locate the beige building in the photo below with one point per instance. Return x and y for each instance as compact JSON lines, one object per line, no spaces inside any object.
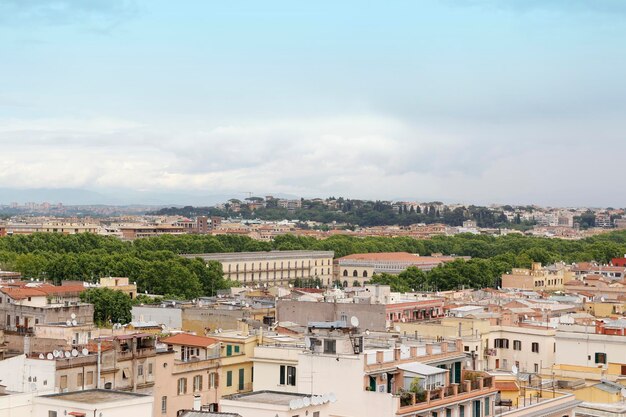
{"x":187,"y":375}
{"x":273,"y":268}
{"x":552,"y":277}
{"x":119,"y":284}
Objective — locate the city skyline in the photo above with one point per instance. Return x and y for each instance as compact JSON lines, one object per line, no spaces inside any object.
{"x":475,"y":101}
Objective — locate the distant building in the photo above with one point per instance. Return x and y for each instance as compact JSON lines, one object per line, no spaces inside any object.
{"x":141,"y":231}
{"x":552,"y":277}
{"x":273,"y":268}
{"x":362,"y":266}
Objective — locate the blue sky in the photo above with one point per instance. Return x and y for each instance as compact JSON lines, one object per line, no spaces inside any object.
{"x":472,"y":101}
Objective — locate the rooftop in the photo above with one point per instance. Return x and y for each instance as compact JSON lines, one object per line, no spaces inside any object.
{"x":267,"y":397}
{"x":395,"y":257}
{"x":251,"y":256}
{"x":185,"y":339}
{"x":95,"y":396}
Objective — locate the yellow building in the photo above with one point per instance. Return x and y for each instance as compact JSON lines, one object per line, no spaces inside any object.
{"x":119,"y":284}
{"x":236,"y":353}
{"x":552,"y":277}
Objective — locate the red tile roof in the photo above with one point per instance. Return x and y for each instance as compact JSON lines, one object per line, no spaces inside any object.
{"x":506,"y":386}
{"x":185,"y":339}
{"x":21,"y":293}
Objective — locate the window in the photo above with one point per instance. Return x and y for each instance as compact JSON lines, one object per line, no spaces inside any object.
{"x":517,"y":345}
{"x":535,"y":347}
{"x":79,"y":379}
{"x":316,"y":414}
{"x":501,"y":343}
{"x":52,"y":413}
{"x":345,"y":272}
{"x":287,"y":375}
{"x":236,"y":348}
{"x":213,"y":380}
{"x":229,"y":350}
{"x":63,"y":383}
{"x":229,"y":378}
{"x":466,"y":348}
{"x":600,"y":357}
{"x":139,"y":370}
{"x":487,"y":406}
{"x":149,"y":369}
{"x":536,"y":368}
{"x":330,"y":346}
{"x":355,"y":273}
{"x":241,"y":379}
{"x":182,"y":386}
{"x":164,"y":404}
{"x":197,"y":383}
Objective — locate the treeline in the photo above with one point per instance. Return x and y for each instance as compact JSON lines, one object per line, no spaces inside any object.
{"x":358,"y":212}
{"x":155,"y":265}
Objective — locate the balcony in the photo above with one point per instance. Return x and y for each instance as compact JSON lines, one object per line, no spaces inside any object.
{"x":474,"y":384}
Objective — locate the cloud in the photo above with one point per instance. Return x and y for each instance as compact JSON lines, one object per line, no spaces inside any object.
{"x":363,"y":155}
{"x":96,"y":15}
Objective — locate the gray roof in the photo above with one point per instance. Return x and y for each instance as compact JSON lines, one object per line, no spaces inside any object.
{"x":421,"y":369}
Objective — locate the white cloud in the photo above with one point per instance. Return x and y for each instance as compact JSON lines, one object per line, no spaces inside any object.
{"x":360,"y":156}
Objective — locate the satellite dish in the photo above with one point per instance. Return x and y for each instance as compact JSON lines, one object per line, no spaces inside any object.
{"x":69,"y":323}
{"x":354,"y":321}
{"x":324,"y":398}
{"x":74,"y":353}
{"x":219,"y":330}
{"x":49,"y":356}
{"x":73,"y":316}
{"x":55,"y":353}
{"x":367,"y":332}
{"x":67,"y":354}
{"x":315,"y":400}
{"x":293,"y":405}
{"x":41,"y":356}
{"x":306,"y":401}
{"x":332,"y":398}
{"x":85,"y":352}
{"x":404,"y":349}
{"x":299,"y":403}
{"x":397,"y":328}
{"x":74,"y":323}
{"x":602,"y":299}
{"x":514,"y":370}
{"x":623,"y":392}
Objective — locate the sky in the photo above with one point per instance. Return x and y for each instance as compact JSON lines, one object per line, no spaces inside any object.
{"x":472,"y":101}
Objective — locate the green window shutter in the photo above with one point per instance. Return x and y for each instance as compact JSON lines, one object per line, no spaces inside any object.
{"x":229,"y":378}
{"x":236,"y":348}
{"x":229,"y":350}
{"x":241,"y":379}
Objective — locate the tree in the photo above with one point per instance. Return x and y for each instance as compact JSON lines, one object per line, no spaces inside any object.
{"x":109,"y":306}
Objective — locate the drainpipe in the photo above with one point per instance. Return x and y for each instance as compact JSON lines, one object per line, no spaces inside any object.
{"x":99,"y":366}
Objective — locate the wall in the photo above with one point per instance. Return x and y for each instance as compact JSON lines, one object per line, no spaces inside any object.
{"x":15,"y":374}
{"x":371,"y":316}
{"x":169,"y":316}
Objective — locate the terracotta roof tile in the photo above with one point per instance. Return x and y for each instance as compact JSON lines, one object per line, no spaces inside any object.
{"x":189,"y":340}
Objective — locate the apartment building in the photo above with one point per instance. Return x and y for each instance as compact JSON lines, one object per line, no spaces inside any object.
{"x":24,"y":305}
{"x":274,"y":267}
{"x":187,"y":375}
{"x":371,"y":380}
{"x":529,"y":348}
{"x":593,"y":352}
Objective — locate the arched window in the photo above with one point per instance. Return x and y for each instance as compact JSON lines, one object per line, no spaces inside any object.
{"x":345,"y":272}
{"x":355,"y":273}
{"x":364,"y":274}
{"x":345,"y":284}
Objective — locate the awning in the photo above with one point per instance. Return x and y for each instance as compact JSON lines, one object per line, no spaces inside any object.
{"x":76,"y":414}
{"x":421,"y":369}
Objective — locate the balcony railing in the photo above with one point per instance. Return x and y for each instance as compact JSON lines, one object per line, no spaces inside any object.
{"x":475,"y":383}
